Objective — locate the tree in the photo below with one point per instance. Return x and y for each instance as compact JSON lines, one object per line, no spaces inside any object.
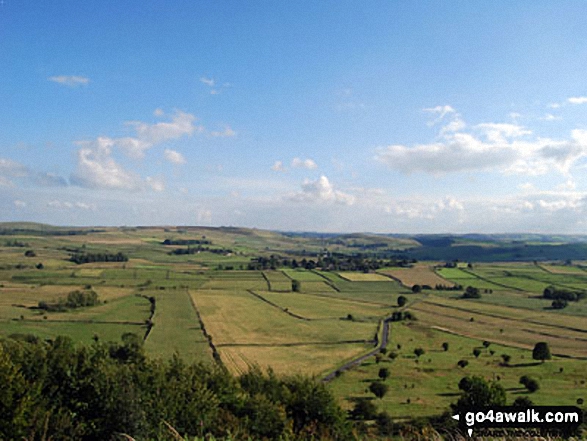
{"x":476,"y":352}
{"x":364,"y":409}
{"x":463,"y":363}
{"x":416,"y":289}
{"x":378,"y":389}
{"x":419,"y":351}
{"x":401,"y":301}
{"x":559,"y":304}
{"x":296,"y":285}
{"x":529,"y":383}
{"x":383,"y":373}
{"x":541,"y":351}
{"x":506,"y":358}
{"x":471,"y":293}
{"x":478,"y":392}
{"x":445,"y":346}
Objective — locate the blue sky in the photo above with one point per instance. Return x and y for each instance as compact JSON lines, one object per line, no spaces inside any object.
{"x":375,"y":116}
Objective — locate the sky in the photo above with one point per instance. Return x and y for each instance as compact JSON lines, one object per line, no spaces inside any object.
{"x":333,"y":116}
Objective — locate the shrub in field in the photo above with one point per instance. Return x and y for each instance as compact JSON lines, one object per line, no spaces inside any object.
{"x":541,"y":351}
{"x":378,"y":389}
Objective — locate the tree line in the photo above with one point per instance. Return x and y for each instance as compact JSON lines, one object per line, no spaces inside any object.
{"x":333,"y":262}
{"x":88,"y":257}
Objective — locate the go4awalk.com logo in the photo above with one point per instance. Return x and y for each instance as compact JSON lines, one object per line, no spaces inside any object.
{"x":554,"y":420}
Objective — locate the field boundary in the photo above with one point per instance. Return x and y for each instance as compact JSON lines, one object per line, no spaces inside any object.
{"x":215,"y":353}
{"x":294,"y":315}
{"x":487,"y":314}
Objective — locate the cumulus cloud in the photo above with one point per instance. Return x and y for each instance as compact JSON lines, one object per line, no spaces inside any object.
{"x":174,"y":157}
{"x":321,"y":190}
{"x":304,"y":163}
{"x":70,"y":80}
{"x":577,"y":100}
{"x":19,"y":204}
{"x":278,"y":166}
{"x":508,"y":148}
{"x":97,"y":169}
{"x":181,"y":124}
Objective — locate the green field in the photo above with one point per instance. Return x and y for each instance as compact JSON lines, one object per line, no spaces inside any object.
{"x":253,"y":318}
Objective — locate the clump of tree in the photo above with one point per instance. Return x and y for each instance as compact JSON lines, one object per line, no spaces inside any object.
{"x":195,"y":250}
{"x":553,"y":293}
{"x":378,"y":389}
{"x":541,"y":351}
{"x":66,"y":391}
{"x":87,"y":257}
{"x":187,"y":242}
{"x":398,"y":316}
{"x":529,"y":383}
{"x":478,"y":392}
{"x":559,"y":304}
{"x":296,"y":286}
{"x":440,"y":287}
{"x":75,"y":299}
{"x":471,"y":293}
{"x":401,"y":301}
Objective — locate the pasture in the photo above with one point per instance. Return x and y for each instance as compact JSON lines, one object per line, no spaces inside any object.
{"x":252,"y":317}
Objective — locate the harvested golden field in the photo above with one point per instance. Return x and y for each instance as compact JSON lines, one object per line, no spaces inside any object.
{"x":363,"y":277}
{"x":502,"y":330}
{"x":419,"y":274}
{"x":237,"y":317}
{"x":304,"y":359}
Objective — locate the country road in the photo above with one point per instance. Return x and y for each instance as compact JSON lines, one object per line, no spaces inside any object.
{"x":357,"y":361}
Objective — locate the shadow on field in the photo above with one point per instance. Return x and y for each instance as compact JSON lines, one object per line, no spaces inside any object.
{"x":536,"y":363}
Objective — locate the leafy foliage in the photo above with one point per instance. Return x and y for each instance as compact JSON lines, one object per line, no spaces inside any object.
{"x":56,"y":390}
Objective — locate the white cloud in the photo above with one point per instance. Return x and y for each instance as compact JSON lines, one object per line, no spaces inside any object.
{"x":66,"y":205}
{"x":70,"y":80}
{"x":97,"y":169}
{"x":174,"y":157}
{"x":156,"y":184}
{"x":554,"y":105}
{"x":226,"y":133}
{"x":501,"y":131}
{"x":321,"y":190}
{"x":208,"y":81}
{"x":577,"y":100}
{"x":278,"y":166}
{"x":441,"y":112}
{"x":181,"y":124}
{"x":304,"y":163}
{"x":19,"y":204}
{"x":551,"y":117}
{"x":13,"y":169}
{"x":508,"y":148}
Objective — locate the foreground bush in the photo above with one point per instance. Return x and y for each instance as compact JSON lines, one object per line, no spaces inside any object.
{"x":56,"y":390}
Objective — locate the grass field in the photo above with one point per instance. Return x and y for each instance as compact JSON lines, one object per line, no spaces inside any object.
{"x":427,"y":387}
{"x":254,"y":318}
{"x":176,"y":328}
